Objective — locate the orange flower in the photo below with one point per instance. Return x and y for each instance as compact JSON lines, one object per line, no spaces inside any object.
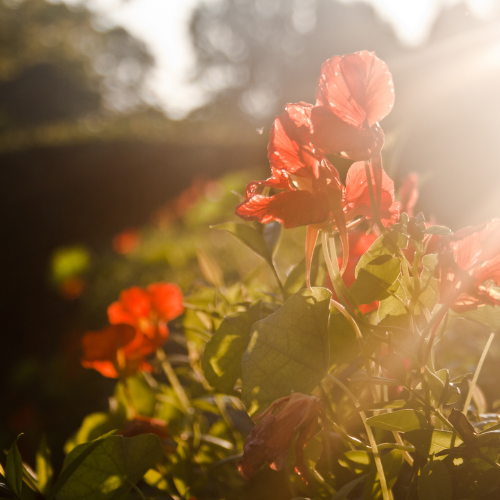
{"x":289,"y":417}
{"x":468,"y":262}
{"x":148,"y":310}
{"x":126,"y":242}
{"x":114,"y":351}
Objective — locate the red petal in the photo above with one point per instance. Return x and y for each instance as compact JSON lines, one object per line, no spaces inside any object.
{"x":278,"y":180}
{"x":357,"y":87}
{"x":291,"y":208}
{"x":166,"y":300}
{"x":408,"y":194}
{"x":311,"y":238}
{"x":133,"y":304}
{"x":290,"y":146}
{"x":358,"y":196}
{"x":332,"y":135}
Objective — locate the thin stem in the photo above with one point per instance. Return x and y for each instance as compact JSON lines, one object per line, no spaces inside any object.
{"x":322,"y":481}
{"x":376,"y":455}
{"x":333,"y":271}
{"x":174,"y":381}
{"x":476,"y":373}
{"x":136,"y":489}
{"x":275,"y":272}
{"x":374,"y":204}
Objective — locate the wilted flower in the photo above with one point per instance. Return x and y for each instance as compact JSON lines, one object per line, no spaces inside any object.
{"x":294,"y":416}
{"x":468,"y":262}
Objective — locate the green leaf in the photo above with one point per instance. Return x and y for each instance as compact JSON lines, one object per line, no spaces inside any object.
{"x":210,"y":269}
{"x":288,"y":351}
{"x":439,"y":230}
{"x":250,"y":237}
{"x":485,"y":315}
{"x":44,"y":470}
{"x":347,"y":488}
{"x":344,"y":346}
{"x":429,"y":442}
{"x":94,"y":426}
{"x":401,"y":421}
{"x":111,"y":467}
{"x":374,"y":278}
{"x":142,"y":396}
{"x":434,"y":482}
{"x":391,"y":463}
{"x":379,"y":247}
{"x":221,"y":360}
{"x":68,"y":469}
{"x":296,"y":278}
{"x":14,"y":469}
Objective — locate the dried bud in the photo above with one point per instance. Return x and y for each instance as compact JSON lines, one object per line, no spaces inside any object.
{"x":289,"y":417}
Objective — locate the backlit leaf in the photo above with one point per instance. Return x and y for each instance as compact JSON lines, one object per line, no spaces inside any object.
{"x":113,"y":465}
{"x":221,"y":360}
{"x":401,"y":421}
{"x":374,"y":278}
{"x":288,"y":351}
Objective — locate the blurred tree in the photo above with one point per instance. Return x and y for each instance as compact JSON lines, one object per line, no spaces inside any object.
{"x":59,"y":63}
{"x":256,"y":55}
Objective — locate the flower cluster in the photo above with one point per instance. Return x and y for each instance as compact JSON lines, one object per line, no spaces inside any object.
{"x":138,"y":326}
{"x":354,"y":93}
{"x":469,"y":264}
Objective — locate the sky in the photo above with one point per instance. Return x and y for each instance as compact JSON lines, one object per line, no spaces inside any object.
{"x":164,"y":26}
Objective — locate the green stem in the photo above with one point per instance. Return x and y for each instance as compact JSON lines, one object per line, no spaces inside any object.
{"x":174,"y":381}
{"x":376,"y":455}
{"x":374,"y":204}
{"x":476,"y":373}
{"x":136,"y":489}
{"x":275,"y":272}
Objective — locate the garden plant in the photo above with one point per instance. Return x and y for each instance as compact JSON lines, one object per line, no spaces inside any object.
{"x":324,"y":381}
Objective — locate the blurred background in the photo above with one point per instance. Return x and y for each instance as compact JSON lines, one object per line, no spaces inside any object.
{"x":126,"y":125}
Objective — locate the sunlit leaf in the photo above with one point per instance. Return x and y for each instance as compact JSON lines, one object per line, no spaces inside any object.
{"x":439,"y":230}
{"x":391,"y":463}
{"x":288,"y":350}
{"x":111,"y":467}
{"x":401,"y":421}
{"x":44,"y":470}
{"x":93,"y":426}
{"x":374,"y":278}
{"x":249,"y":236}
{"x":221,"y":360}
{"x":14,"y":469}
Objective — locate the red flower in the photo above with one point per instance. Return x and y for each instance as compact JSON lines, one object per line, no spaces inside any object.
{"x":148,"y":310}
{"x":357,"y":195}
{"x":408,"y":194}
{"x":467,"y":262}
{"x":312,"y":188}
{"x":289,"y":417}
{"x":115,"y":351}
{"x":126,"y":242}
{"x":355,"y":92}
